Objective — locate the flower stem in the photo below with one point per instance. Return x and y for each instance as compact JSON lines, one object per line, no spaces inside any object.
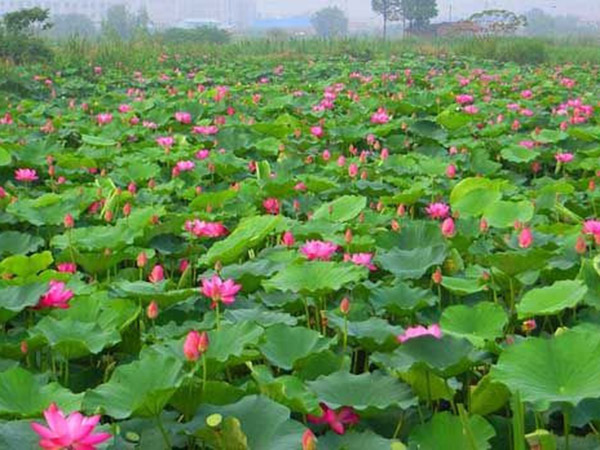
{"x":203,"y":372}
{"x":163,"y":432}
{"x":218,"y":316}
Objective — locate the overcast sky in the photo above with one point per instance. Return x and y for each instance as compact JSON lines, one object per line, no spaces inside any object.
{"x":360,"y":10}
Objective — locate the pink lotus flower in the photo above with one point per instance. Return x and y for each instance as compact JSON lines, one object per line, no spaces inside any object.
{"x":525,"y":238}
{"x":361,"y":259}
{"x":271,"y":205}
{"x":72,"y":432}
{"x":200,"y":228}
{"x":385,"y":153}
{"x":419,"y":331}
{"x":220,"y":290}
{"x":471,"y":109}
{"x":318,"y":250}
{"x":205,"y":130}
{"x":336,"y":420}
{"x":564,"y":157}
{"x":300,"y":186}
{"x":56,"y":296}
{"x":183,"y":117}
{"x":353,"y":170}
{"x":380,"y":117}
{"x":464,"y":99}
{"x":125,"y":108}
{"x":316,"y":131}
{"x":287,"y":239}
{"x":195,"y":345}
{"x":202,"y":154}
{"x":526,"y":94}
{"x":309,"y":441}
{"x":67,"y":267}
{"x":451,"y":171}
{"x":341,"y":161}
{"x":165,"y":142}
{"x":527,"y":144}
{"x":157,"y":274}
{"x":185,"y":166}
{"x":104,"y":118}
{"x":438,"y":210}
{"x":591,"y":227}
{"x":27,"y":175}
{"x":152,"y":310}
{"x":448,"y":227}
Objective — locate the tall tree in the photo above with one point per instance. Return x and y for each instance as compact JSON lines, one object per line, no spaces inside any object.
{"x":418,"y":13}
{"x":330,"y":22}
{"x":389,"y":10}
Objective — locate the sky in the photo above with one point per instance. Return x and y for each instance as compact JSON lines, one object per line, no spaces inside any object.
{"x":360,"y":10}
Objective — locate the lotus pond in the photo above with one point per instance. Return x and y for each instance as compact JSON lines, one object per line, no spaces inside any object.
{"x":301,"y":254}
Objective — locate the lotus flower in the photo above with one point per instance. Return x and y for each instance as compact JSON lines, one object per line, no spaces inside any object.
{"x":591,"y":227}
{"x":418,"y":331}
{"x":165,"y":142}
{"x":271,"y":205}
{"x":316,"y":131}
{"x":380,"y":117}
{"x":438,"y":210}
{"x":464,"y":99}
{"x":287,"y":239}
{"x":200,"y":228}
{"x":337,"y":421}
{"x":152,"y":310}
{"x":448,"y":228}
{"x":67,"y":267}
{"x":104,"y":118}
{"x":353,"y":170}
{"x":157,"y":274}
{"x":202,"y":154}
{"x":525,"y":238}
{"x":195,"y":345}
{"x":361,"y":259}
{"x":183,"y":117}
{"x":26,"y":175}
{"x":309,"y":442}
{"x":220,"y":290}
{"x":56,"y":296}
{"x":72,"y":432}
{"x":319,"y":250}
{"x":564,"y":157}
{"x":185,"y":166}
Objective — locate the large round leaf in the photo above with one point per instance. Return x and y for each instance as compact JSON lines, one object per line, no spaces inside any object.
{"x":563,"y":368}
{"x":284,"y":345}
{"x":448,"y":432}
{"x":141,"y":388}
{"x":23,"y":395}
{"x":552,"y":299}
{"x":484,"y":321}
{"x":316,"y":276}
{"x":368,"y":390}
{"x":341,"y":209}
{"x":411,"y":263}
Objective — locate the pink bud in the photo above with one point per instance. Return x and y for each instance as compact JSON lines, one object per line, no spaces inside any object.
{"x":525,"y":238}
{"x":448,"y":227}
{"x":437,"y":276}
{"x":152,"y":310}
{"x":68,"y":221}
{"x":287,"y":239}
{"x":451,"y":171}
{"x":353,"y":170}
{"x":345,"y":306}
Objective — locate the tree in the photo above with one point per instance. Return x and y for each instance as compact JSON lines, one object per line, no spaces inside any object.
{"x":27,"y":21}
{"x":498,"y":21}
{"x":120,"y":22}
{"x":330,"y":22}
{"x":418,"y":13}
{"x":19,"y":41}
{"x":389,"y":10}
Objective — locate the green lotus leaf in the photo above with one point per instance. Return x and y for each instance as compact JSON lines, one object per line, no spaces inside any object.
{"x":249,"y":233}
{"x":446,"y":357}
{"x":462,"y":286}
{"x":355,"y":440}
{"x":504,"y":214}
{"x":17,"y":243}
{"x":562,"y":368}
{"x":471,"y":196}
{"x":24,"y":266}
{"x":74,"y":339}
{"x":483,"y":322}
{"x":551,"y":299}
{"x":368,"y":390}
{"x":342,"y":209}
{"x":23,"y":395}
{"x":14,"y":299}
{"x":231,"y":340}
{"x":141,"y":388}
{"x":370,"y":333}
{"x":518,"y":154}
{"x":488,"y":396}
{"x":410,"y":264}
{"x":315,"y":276}
{"x":284,"y":345}
{"x":266,"y":424}
{"x":448,"y":432}
{"x":400,"y":298}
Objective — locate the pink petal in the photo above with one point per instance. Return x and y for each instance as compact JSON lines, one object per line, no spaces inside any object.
{"x":95,"y":438}
{"x":42,"y":431}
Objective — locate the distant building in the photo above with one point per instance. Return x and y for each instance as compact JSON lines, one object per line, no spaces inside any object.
{"x":94,"y":9}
